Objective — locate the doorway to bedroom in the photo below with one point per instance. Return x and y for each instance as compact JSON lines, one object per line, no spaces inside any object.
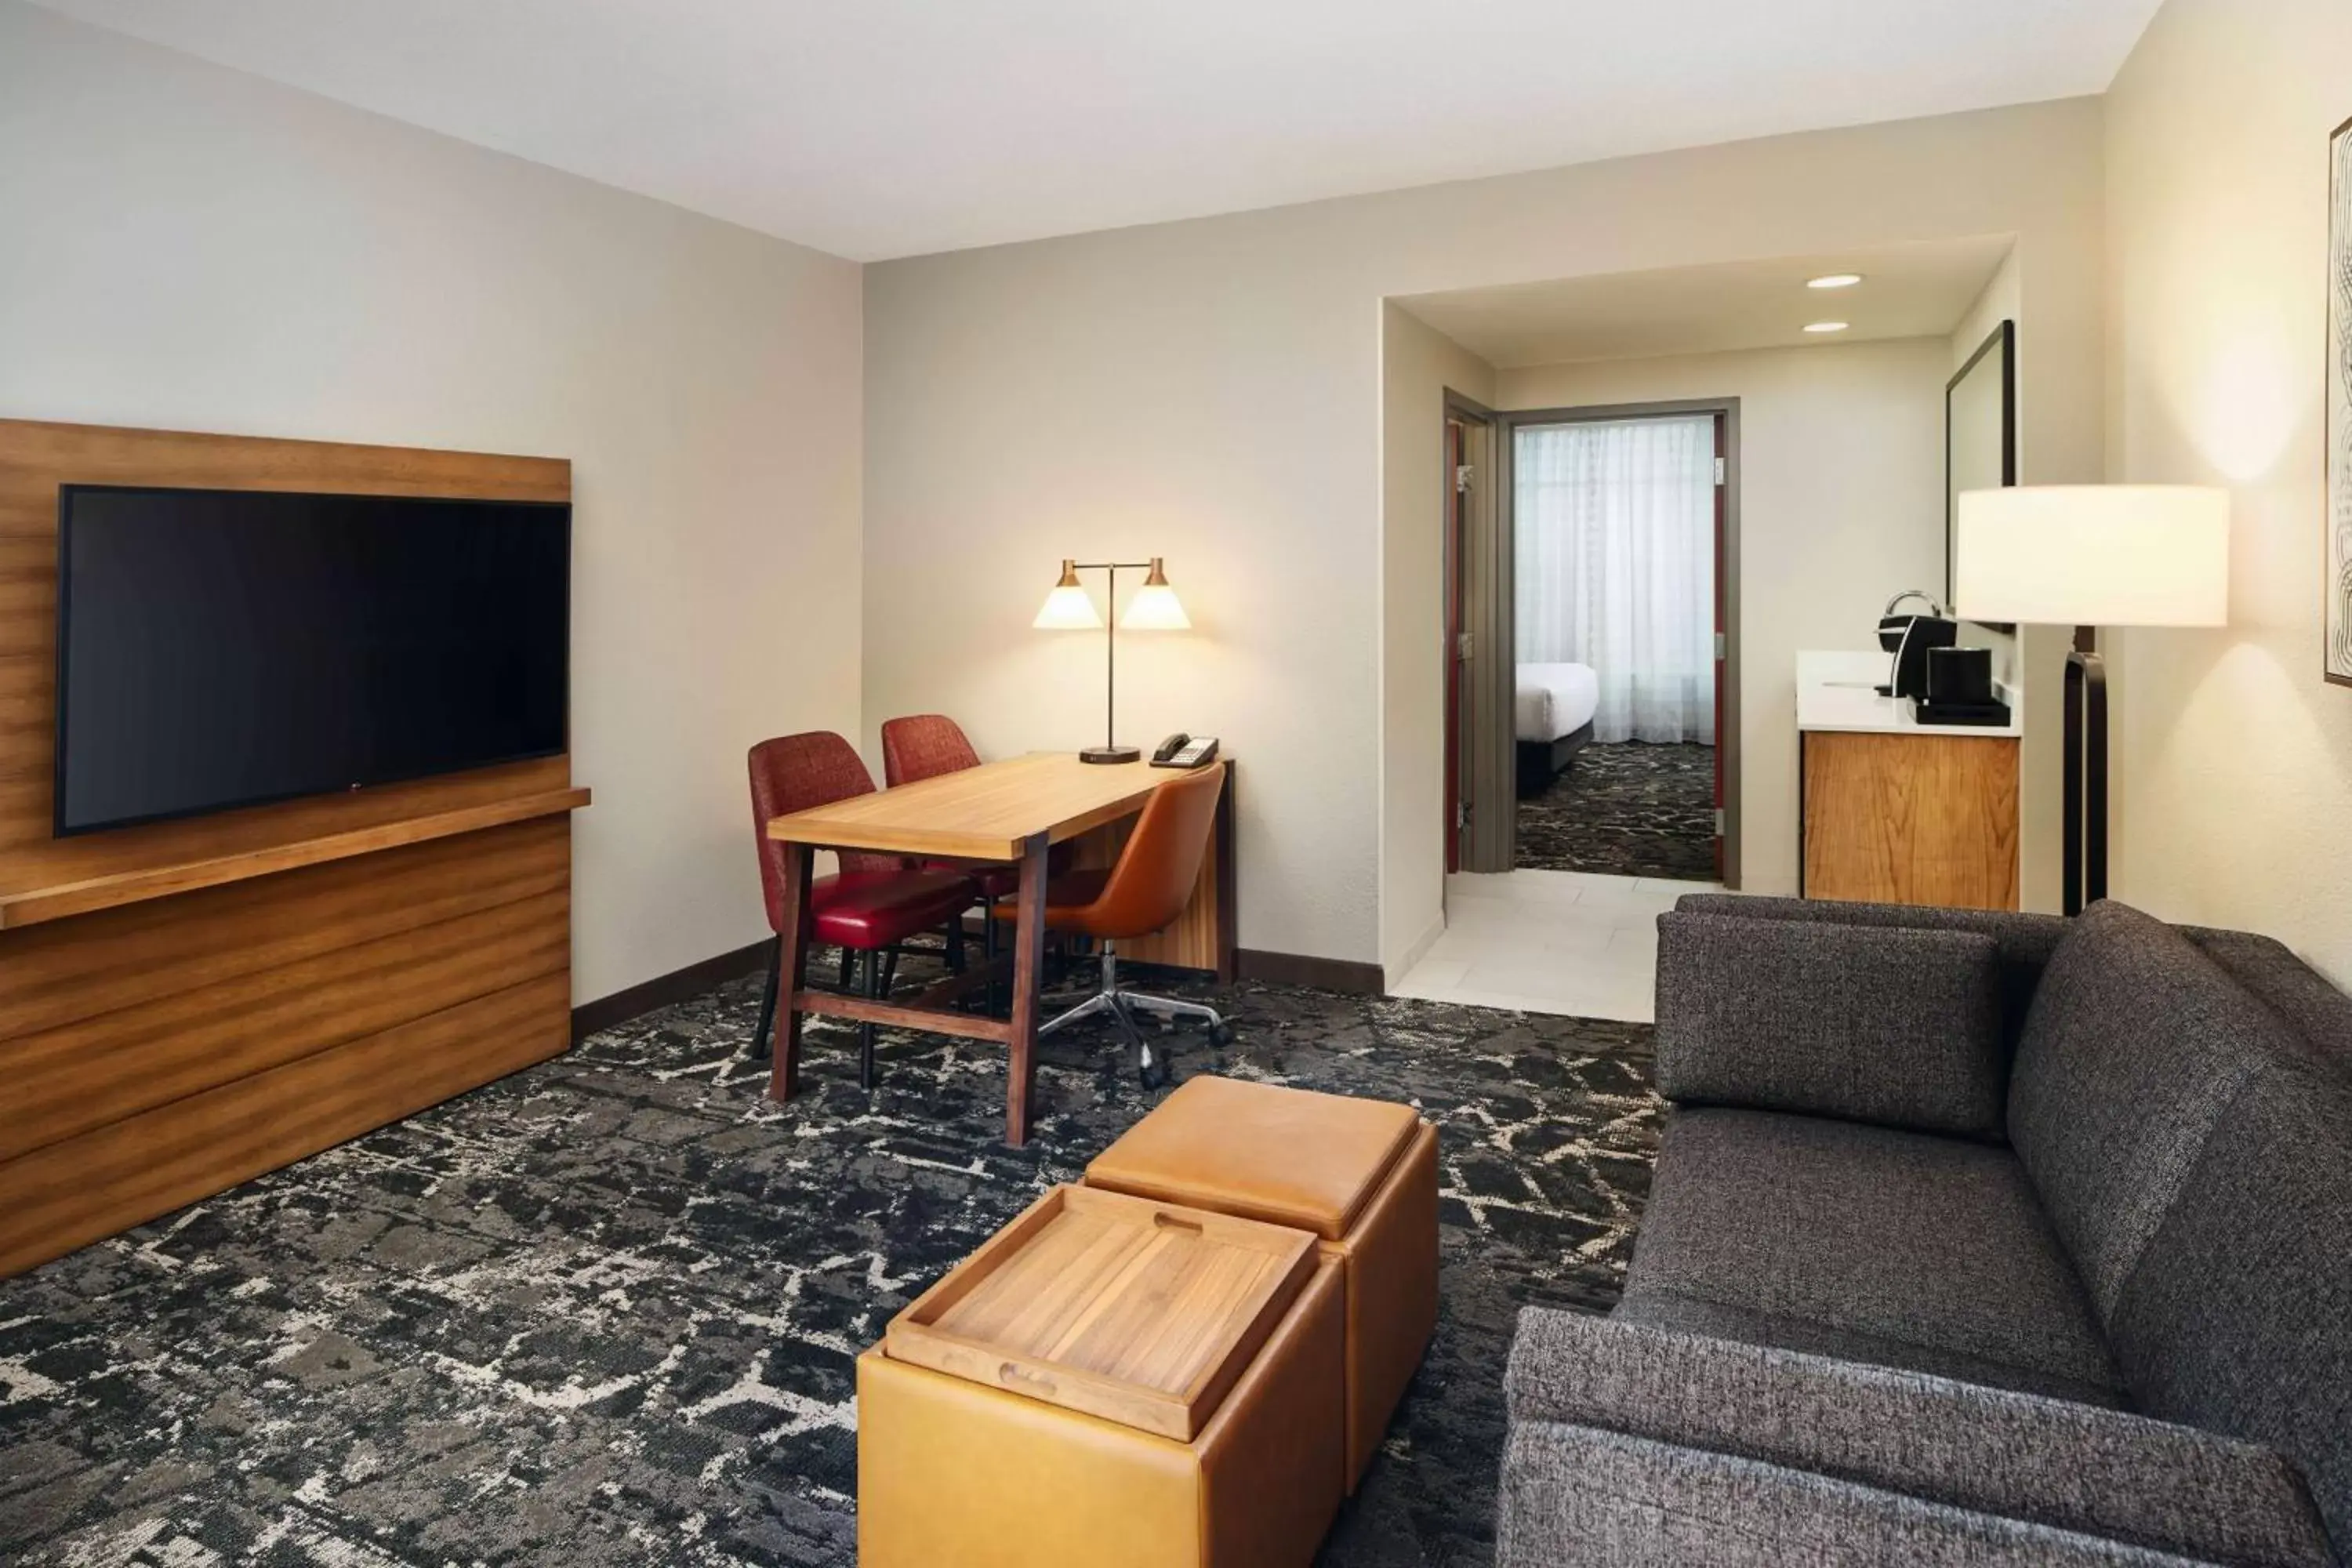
{"x":1620,"y":525}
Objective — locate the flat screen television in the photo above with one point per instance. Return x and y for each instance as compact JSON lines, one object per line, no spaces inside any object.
{"x":218,"y":648}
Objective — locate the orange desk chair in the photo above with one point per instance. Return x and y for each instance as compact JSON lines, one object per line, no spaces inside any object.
{"x":1143,"y":893}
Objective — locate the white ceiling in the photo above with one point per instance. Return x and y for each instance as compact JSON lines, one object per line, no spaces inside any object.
{"x":881,"y":128}
{"x":1907,"y":291}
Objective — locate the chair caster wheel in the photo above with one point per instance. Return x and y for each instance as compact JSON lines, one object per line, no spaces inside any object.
{"x":1221,"y":1035}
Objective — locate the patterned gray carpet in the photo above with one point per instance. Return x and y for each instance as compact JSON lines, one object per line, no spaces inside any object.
{"x":604,"y":1311}
{"x":1631,"y":809}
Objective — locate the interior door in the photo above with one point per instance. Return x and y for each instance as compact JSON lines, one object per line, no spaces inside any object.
{"x":1457,"y":513}
{"x":1722,"y":621}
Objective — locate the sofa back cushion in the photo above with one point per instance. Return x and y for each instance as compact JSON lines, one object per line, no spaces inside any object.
{"x":2320,"y":1014}
{"x":2239,"y":1317}
{"x":2136,"y":1043}
{"x":2022,"y":944}
{"x":1900,"y":1027}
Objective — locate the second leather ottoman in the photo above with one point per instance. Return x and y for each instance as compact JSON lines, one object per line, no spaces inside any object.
{"x":1360,"y":1174}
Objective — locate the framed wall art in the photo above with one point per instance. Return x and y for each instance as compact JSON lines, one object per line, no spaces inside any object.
{"x":2337,"y":623}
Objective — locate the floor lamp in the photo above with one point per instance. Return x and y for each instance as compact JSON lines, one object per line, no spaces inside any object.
{"x":2088,"y":556}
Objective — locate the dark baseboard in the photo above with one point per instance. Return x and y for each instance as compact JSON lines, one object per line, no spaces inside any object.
{"x":681,"y":985}
{"x":663,"y":990}
{"x":1323,"y":973}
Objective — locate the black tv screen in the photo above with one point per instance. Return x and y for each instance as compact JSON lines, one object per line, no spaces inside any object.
{"x":219,"y":648}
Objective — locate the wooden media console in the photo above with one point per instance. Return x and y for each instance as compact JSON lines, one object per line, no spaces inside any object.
{"x":187,"y":1004}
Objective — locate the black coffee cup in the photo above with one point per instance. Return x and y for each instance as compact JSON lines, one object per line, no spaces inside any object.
{"x":1960,"y":675}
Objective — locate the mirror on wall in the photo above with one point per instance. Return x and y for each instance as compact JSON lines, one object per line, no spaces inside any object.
{"x":1980,"y":429}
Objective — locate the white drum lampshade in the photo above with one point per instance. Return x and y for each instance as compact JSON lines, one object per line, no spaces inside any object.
{"x":2093,"y":555}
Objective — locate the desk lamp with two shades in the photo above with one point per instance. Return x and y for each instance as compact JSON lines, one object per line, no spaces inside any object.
{"x":1154,"y":608}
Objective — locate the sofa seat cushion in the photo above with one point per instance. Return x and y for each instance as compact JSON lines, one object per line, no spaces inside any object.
{"x":1893,"y":1248}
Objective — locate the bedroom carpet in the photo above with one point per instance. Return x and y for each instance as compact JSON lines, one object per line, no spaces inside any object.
{"x":604,"y":1311}
{"x":1629,"y":809}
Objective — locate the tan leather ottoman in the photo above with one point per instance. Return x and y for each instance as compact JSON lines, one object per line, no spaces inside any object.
{"x":1361,"y":1174}
{"x":1024,"y":1413}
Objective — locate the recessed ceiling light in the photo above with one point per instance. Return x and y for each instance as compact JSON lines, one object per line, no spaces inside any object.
{"x":1835,"y":280}
{"x":1828,"y":326}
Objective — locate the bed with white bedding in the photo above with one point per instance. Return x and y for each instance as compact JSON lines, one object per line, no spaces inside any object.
{"x":1553,"y":716}
{"x":1556,"y":700}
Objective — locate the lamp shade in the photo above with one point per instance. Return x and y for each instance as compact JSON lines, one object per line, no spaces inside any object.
{"x":1068,"y":608}
{"x":2093,"y":555}
{"x":1155,"y":607}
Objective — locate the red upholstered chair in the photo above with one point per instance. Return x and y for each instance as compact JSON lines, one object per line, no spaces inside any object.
{"x":872,"y":904}
{"x":924,"y":745}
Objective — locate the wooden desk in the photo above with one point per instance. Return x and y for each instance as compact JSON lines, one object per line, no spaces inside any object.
{"x":1011,"y":811}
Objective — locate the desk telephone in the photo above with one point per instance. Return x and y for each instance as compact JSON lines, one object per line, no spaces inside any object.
{"x":1182,"y":751}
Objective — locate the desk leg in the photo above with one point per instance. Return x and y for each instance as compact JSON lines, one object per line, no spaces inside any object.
{"x":791,"y":964}
{"x":1028,"y":961}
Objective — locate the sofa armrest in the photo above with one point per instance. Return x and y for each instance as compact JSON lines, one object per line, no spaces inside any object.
{"x":1902,"y":1027}
{"x":1576,"y":1497}
{"x":2073,"y":1468}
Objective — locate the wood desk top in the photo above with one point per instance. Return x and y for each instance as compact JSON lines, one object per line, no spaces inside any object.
{"x":982,"y":812}
{"x":1141,"y":1312}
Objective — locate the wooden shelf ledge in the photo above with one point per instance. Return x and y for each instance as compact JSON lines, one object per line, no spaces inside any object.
{"x":32,"y":906}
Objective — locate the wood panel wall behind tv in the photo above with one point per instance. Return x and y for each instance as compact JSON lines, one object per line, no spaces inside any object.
{"x":187,"y":1004}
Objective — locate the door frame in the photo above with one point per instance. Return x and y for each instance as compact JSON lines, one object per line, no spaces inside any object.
{"x":1454,"y":507}
{"x":1485,"y":585}
{"x":1502,"y":679}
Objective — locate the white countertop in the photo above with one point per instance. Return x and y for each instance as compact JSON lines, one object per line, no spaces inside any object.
{"x":1839,"y":691}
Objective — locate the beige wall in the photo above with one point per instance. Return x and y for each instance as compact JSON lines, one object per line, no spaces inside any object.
{"x":2234,"y":759}
{"x":1212,"y":391}
{"x":191,"y":248}
{"x":1418,"y":366}
{"x":2003,"y":299}
{"x":1841,"y":484}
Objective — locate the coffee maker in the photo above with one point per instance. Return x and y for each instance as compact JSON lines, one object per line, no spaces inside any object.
{"x":1909,"y":638}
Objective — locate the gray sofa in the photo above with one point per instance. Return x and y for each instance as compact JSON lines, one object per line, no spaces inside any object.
{"x":1974,"y":1238}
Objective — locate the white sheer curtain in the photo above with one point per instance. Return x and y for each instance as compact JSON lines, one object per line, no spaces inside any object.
{"x":1613,"y":528}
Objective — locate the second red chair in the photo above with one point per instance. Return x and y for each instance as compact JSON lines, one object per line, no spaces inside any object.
{"x":871,"y":905}
{"x":926,"y":745}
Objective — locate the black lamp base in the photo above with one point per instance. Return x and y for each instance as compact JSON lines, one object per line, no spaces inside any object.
{"x":1110,"y":754}
{"x":2084,"y":875}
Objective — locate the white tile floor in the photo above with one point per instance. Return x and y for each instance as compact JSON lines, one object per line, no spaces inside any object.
{"x":1550,"y":941}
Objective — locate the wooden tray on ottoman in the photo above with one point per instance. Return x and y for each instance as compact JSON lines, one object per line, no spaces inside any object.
{"x":1141,"y":1312}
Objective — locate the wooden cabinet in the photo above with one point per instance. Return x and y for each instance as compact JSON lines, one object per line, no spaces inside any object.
{"x":1911,"y":818}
